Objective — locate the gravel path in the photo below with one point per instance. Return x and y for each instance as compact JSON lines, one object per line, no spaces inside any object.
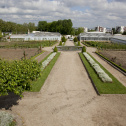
{"x":68,"y":99}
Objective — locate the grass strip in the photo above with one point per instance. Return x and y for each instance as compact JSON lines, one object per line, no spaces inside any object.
{"x":36,"y":85}
{"x":111,"y":62}
{"x":37,"y":55}
{"x":103,"y":88}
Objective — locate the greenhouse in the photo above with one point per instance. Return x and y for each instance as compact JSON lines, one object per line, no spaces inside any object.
{"x":38,"y":36}
{"x":94,"y":36}
{"x":119,"y":39}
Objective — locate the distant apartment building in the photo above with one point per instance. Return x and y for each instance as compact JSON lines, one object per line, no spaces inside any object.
{"x":120,"y":29}
{"x":100,"y":29}
{"x":85,"y":29}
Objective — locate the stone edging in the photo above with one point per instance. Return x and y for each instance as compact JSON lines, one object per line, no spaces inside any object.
{"x":89,"y":76}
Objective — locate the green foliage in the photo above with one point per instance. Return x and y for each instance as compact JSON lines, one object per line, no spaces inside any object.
{"x":15,"y":76}
{"x":55,"y":49}
{"x":104,"y":45}
{"x":1,"y":35}
{"x":16,"y":28}
{"x":60,"y":44}
{"x":79,"y":43}
{"x":83,"y":49}
{"x":103,"y":88}
{"x":61,"y":26}
{"x":75,"y":39}
{"x":63,"y":39}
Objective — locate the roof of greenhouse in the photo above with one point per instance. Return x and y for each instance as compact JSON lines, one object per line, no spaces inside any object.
{"x":121,"y":37}
{"x":95,"y":34}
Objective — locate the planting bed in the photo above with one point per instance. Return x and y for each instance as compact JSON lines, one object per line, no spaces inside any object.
{"x":118,"y":57}
{"x":17,"y":54}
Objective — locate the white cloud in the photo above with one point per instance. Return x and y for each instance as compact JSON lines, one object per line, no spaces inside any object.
{"x":82,"y":12}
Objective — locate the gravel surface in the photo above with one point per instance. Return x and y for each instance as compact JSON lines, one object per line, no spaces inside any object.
{"x":69,"y":99}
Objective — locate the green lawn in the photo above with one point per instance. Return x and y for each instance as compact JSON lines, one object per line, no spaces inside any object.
{"x":104,"y":88}
{"x":36,"y":85}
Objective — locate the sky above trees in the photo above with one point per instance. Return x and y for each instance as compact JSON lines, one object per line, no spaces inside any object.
{"x":83,"y":13}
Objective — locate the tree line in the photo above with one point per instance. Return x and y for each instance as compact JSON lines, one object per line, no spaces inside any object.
{"x":62,"y":26}
{"x":16,"y":28}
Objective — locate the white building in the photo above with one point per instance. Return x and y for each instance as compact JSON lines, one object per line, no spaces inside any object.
{"x":101,"y":29}
{"x":37,"y":36}
{"x":120,"y":29}
{"x":85,"y":29}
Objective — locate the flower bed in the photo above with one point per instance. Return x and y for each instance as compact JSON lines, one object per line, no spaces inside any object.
{"x":102,"y":75}
{"x":47,"y":61}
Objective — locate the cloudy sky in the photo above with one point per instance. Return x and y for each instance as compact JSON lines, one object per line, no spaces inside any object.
{"x":84,"y":13}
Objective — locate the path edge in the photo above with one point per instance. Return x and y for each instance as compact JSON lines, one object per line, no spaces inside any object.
{"x":89,"y":77}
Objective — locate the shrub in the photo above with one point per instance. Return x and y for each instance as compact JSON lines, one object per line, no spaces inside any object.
{"x":6,"y":119}
{"x":60,"y":43}
{"x":83,"y":49}
{"x":15,"y":76}
{"x":55,"y":49}
{"x":79,"y":43}
{"x":63,"y":39}
{"x":75,"y":39}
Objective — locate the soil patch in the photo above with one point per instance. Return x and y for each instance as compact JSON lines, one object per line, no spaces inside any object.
{"x":17,"y":54}
{"x":118,"y":57}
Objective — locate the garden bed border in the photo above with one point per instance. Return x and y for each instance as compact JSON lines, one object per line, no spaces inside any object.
{"x":89,"y":76}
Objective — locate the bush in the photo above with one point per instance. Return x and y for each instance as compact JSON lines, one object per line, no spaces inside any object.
{"x":16,"y":76}
{"x":55,"y":49}
{"x":63,"y":39}
{"x":79,"y":43}
{"x":83,"y":49}
{"x":60,"y":43}
{"x":75,"y":39}
{"x":6,"y":119}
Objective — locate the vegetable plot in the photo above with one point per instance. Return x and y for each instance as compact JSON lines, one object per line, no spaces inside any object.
{"x":102,"y":75}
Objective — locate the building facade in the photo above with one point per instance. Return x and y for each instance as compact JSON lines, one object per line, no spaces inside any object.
{"x":100,"y":29}
{"x":120,"y":29}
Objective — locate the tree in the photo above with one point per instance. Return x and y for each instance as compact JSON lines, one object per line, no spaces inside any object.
{"x":83,"y":49}
{"x":42,"y":25}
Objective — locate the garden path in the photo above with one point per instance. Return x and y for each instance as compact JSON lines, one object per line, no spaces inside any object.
{"x":67,"y":98}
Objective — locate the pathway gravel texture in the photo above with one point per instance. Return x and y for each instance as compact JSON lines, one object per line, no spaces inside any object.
{"x":68,"y":98}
